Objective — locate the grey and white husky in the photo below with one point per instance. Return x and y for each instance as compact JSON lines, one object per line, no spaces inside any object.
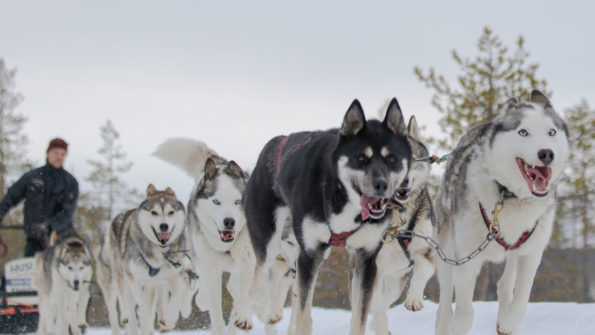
{"x":406,"y":258}
{"x":143,"y":266}
{"x":517,"y":157}
{"x":62,"y":277}
{"x":217,"y":229}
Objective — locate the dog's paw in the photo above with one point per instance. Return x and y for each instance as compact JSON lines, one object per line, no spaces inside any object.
{"x":275,"y":317}
{"x":414,"y":305}
{"x":501,"y":332}
{"x":243,"y":324}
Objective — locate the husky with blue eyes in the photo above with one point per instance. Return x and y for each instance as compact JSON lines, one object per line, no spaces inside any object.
{"x":507,"y":167}
{"x":217,"y":229}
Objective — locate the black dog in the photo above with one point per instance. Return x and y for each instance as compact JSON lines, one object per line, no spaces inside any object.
{"x":335,"y":186}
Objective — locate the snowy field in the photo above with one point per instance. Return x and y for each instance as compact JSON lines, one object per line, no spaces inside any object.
{"x":541,"y":319}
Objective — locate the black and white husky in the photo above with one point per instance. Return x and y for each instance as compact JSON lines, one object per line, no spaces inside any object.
{"x":62,"y":276}
{"x":335,"y":186}
{"x":407,"y":258}
{"x":517,"y":157}
{"x":216,"y":225}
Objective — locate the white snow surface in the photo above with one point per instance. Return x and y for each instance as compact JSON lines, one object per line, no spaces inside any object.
{"x":542,"y":318}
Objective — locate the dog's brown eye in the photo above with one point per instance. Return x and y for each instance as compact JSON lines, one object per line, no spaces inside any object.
{"x":391,"y":160}
{"x":154,"y":213}
{"x":170,"y":213}
{"x":362,"y":158}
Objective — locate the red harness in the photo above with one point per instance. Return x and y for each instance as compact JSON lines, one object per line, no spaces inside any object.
{"x":524,"y":237}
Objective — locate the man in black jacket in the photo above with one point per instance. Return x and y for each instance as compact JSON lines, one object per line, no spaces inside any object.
{"x":50,"y":195}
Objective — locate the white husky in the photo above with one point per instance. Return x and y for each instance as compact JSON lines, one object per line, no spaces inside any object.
{"x":63,"y":274}
{"x":517,"y":157}
{"x":217,"y":229}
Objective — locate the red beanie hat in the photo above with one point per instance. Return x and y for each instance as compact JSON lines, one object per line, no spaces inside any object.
{"x":57,"y":143}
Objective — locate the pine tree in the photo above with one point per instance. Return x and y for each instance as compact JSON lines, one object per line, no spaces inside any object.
{"x":106,"y":176}
{"x":485,"y":83}
{"x":13,"y":161}
{"x":579,"y":183}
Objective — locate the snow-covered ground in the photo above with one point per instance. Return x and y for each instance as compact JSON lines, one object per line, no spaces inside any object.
{"x":541,"y":319}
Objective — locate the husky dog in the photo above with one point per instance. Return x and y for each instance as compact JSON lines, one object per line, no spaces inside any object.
{"x":335,"y":186}
{"x":62,"y":277}
{"x":217,"y":230}
{"x":513,"y":161}
{"x":405,"y":256}
{"x":142,"y":253}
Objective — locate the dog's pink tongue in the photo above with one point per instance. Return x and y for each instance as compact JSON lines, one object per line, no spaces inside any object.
{"x":163,"y":236}
{"x":541,"y":181}
{"x":364,"y":201}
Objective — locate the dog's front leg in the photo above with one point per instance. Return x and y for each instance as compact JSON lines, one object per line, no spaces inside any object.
{"x":240,"y":282}
{"x":307,"y":272}
{"x":362,"y":288}
{"x":465,"y":277}
{"x":422,"y":272}
{"x":80,"y":316}
{"x":506,"y":282}
{"x":213,"y":298}
{"x":511,"y":316}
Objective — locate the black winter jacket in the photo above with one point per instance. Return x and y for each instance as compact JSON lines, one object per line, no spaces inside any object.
{"x":50,"y":198}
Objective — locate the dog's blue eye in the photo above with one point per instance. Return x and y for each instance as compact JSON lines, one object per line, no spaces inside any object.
{"x":523,"y":132}
{"x":216,"y":202}
{"x":238,"y":202}
{"x":552,"y":132}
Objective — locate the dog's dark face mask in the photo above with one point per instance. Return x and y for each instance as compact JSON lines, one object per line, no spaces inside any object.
{"x":372,"y":158}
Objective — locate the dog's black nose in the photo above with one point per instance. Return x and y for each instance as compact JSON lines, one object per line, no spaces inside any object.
{"x":163,"y":227}
{"x":380,"y":184}
{"x":76,"y":284}
{"x":546,"y":156}
{"x":229,"y":223}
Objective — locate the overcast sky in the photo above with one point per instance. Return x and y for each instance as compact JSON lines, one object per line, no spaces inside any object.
{"x":234,"y":74}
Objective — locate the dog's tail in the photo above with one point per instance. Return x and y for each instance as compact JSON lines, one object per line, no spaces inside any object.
{"x":187,"y":154}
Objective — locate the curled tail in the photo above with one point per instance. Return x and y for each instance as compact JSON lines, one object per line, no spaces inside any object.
{"x":187,"y":154}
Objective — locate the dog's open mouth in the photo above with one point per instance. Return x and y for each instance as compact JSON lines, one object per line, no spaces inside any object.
{"x":372,"y":207}
{"x":227,"y":235}
{"x":163,"y":237}
{"x":537,"y":177}
{"x":402,"y":194}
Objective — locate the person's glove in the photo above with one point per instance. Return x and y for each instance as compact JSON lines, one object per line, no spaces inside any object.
{"x":40,"y":232}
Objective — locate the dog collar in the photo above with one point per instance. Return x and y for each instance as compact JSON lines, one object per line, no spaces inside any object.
{"x":524,"y":237}
{"x":152,"y":271}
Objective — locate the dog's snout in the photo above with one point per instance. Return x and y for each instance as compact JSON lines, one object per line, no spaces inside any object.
{"x":229,"y":223}
{"x":405,"y":183}
{"x":163,"y":227}
{"x":380,"y":185}
{"x":546,"y":156}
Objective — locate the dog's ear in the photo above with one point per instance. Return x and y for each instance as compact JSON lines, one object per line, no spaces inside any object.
{"x":151,"y":190}
{"x":413,"y":129}
{"x":510,"y":106}
{"x":354,"y":120}
{"x":169,"y":192}
{"x":539,"y":98}
{"x":394,"y":118}
{"x":210,"y":168}
{"x":234,"y":169}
